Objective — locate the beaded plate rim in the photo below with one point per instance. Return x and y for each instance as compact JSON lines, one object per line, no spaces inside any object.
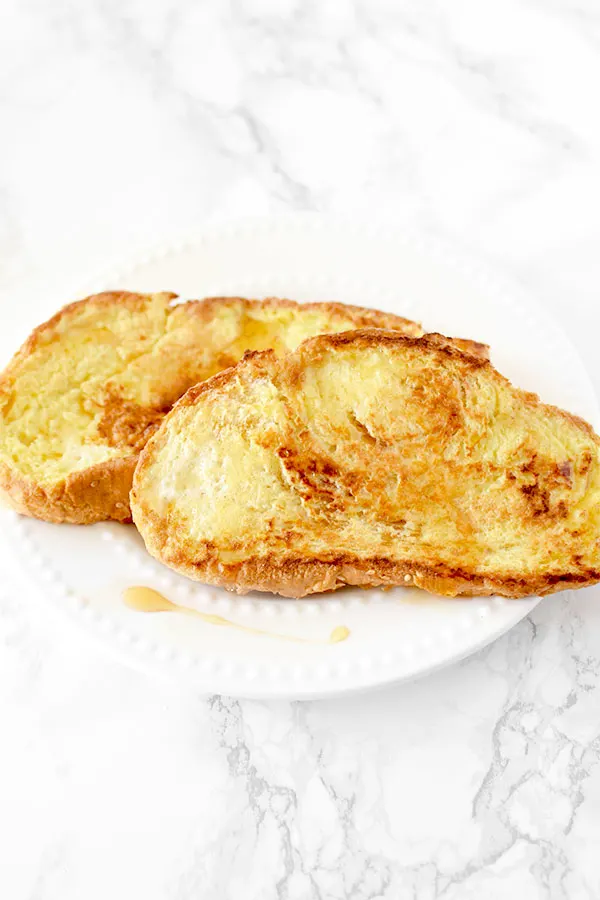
{"x":208,"y":673}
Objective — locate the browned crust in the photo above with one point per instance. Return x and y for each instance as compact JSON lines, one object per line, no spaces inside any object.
{"x":300,"y":577}
{"x":101,"y":492}
{"x":445,"y":346}
{"x":104,"y":299}
{"x":361,"y":316}
{"x":94,"y":494}
{"x":91,"y":495}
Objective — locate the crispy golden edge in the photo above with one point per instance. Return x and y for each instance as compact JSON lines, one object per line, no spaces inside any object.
{"x":90,"y":495}
{"x":303,"y":577}
{"x":361,"y":316}
{"x":101,"y":492}
{"x":105,"y":299}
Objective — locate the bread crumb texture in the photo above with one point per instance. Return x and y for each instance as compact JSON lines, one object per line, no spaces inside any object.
{"x":88,"y":388}
{"x":370,"y":458}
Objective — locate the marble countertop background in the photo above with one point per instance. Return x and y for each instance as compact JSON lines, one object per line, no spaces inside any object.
{"x":125,"y":122}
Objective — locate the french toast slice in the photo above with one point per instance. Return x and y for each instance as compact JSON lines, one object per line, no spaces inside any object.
{"x":87,"y":389}
{"x":371,"y":458}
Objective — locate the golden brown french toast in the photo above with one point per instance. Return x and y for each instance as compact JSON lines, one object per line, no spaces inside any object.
{"x":87,"y":389}
{"x":371,"y":458}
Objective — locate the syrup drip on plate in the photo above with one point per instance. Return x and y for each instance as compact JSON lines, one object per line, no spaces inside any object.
{"x":145,"y":599}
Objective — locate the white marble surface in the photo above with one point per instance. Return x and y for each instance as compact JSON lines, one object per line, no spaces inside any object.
{"x":126,"y":121}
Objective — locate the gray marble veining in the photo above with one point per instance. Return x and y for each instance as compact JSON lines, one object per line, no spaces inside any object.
{"x":127,"y":122}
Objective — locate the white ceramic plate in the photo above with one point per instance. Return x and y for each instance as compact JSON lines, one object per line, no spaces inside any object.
{"x":394,"y":635}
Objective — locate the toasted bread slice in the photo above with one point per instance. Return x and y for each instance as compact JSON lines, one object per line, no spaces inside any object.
{"x":84,"y":393}
{"x":371,"y":458}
